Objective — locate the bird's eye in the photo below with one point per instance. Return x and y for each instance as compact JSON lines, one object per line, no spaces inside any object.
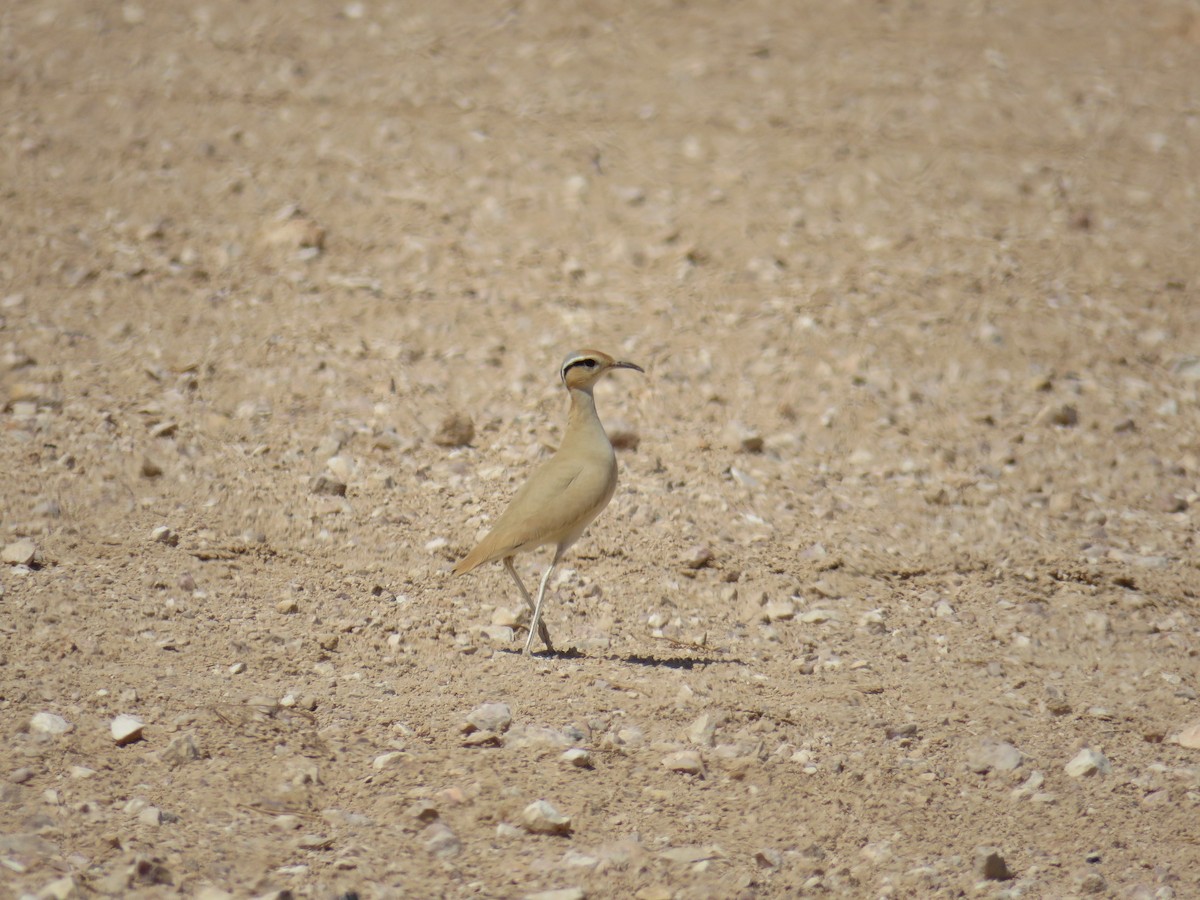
{"x":590,"y":363}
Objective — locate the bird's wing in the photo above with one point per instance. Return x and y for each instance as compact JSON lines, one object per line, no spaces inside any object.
{"x":558,"y":501}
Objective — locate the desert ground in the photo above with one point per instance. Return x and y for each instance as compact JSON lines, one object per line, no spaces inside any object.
{"x":897,"y":595}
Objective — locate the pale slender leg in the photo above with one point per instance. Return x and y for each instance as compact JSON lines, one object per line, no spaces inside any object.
{"x":543,"y":632}
{"x":537,"y":607}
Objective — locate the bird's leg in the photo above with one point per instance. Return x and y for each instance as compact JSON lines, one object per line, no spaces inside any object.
{"x":537,"y":607}
{"x":541,"y":626}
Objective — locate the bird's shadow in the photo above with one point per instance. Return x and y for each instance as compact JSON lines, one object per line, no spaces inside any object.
{"x":685,"y":663}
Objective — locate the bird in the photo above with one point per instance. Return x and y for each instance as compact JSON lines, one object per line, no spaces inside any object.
{"x":564,"y":494}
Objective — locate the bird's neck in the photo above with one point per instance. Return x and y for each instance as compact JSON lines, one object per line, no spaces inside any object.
{"x":582,"y":419}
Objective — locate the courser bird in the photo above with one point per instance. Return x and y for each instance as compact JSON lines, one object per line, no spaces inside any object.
{"x":564,"y":494}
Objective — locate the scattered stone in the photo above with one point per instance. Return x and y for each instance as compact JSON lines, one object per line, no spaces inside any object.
{"x":152,"y":815}
{"x":498,"y":634}
{"x":49,"y":723}
{"x":991,"y":865}
{"x":150,"y":468}
{"x":341,"y":467}
{"x":623,"y":437}
{"x":383,"y":760}
{"x":541,"y":817}
{"x":578,"y":757}
{"x":81,"y":772}
{"x":1092,"y":883}
{"x":494,"y":717}
{"x":326,"y":485}
{"x":456,"y":430}
{"x":779,"y":610}
{"x":1189,"y":737}
{"x":1029,"y":786}
{"x":573,"y":893}
{"x":1064,"y":415}
{"x":817,"y":616}
{"x":994,"y":755}
{"x":483,"y":739}
{"x":743,"y":439}
{"x":440,"y":840}
{"x":287,"y":606}
{"x":698,"y":557}
{"x":164,"y":535}
{"x":126,"y":729}
{"x":692,"y":855}
{"x":768,"y":858}
{"x":1088,"y":762}
{"x":19,"y":553}
{"x":237,"y":668}
{"x":21,"y":775}
{"x":64,"y":888}
{"x":293,"y":229}
{"x":181,"y":750}
{"x":687,"y":761}
{"x":703,"y":731}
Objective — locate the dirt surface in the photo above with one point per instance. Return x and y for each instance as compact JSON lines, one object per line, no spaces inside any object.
{"x":904,"y":544}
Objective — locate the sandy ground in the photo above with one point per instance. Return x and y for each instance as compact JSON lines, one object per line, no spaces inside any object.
{"x":902,"y":565}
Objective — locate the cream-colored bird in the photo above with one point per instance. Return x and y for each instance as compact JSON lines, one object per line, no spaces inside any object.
{"x":564,"y":494}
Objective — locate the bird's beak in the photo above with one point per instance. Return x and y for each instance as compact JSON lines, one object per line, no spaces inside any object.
{"x":627,"y":365}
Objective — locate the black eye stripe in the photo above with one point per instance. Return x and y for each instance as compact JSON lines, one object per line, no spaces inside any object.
{"x":584,"y":361}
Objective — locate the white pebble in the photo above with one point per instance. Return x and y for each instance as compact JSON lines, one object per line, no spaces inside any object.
{"x":126,"y":729}
{"x":49,"y":723}
{"x":495,"y":717}
{"x":19,"y":553}
{"x":687,"y":761}
{"x":1088,"y":762}
{"x":578,"y":757}
{"x":541,"y":817}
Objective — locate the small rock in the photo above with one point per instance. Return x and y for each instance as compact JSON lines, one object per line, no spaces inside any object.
{"x":21,"y":775}
{"x":60,"y":889}
{"x":164,"y":535}
{"x":572,"y":893}
{"x":1088,"y":762}
{"x":456,"y":430}
{"x":578,"y":757}
{"x":540,"y":817}
{"x":1189,"y":737}
{"x":991,"y":865}
{"x":383,"y":760}
{"x":237,"y":668}
{"x":1029,"y":786}
{"x":326,"y":485}
{"x":181,"y":750}
{"x":698,"y":557}
{"x":49,"y":723}
{"x":687,"y":761}
{"x":1092,"y":883}
{"x":997,"y":755}
{"x":817,"y":616}
{"x":743,"y":439}
{"x":1064,"y":416}
{"x":702,"y":732}
{"x":287,"y":606}
{"x":494,"y":717}
{"x":440,"y":840}
{"x":152,"y":815}
{"x":779,"y":610}
{"x":294,"y":230}
{"x":150,"y":468}
{"x":19,"y":553}
{"x":126,"y":729}
{"x":341,"y":467}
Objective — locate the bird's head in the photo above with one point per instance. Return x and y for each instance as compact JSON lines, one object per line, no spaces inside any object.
{"x":583,"y":368}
